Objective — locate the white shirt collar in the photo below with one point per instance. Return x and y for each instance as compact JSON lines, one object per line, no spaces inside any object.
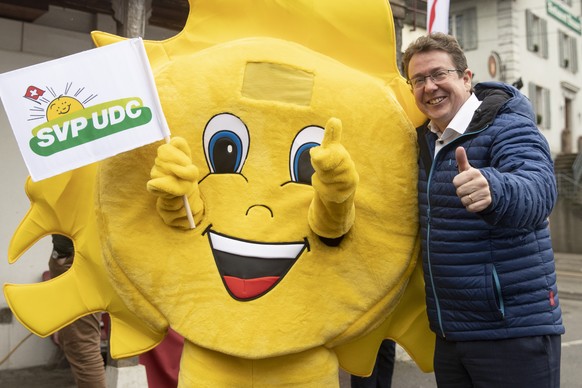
{"x":462,"y":119}
{"x":458,"y":124}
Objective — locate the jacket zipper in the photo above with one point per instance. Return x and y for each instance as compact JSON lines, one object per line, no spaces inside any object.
{"x":428,"y":227}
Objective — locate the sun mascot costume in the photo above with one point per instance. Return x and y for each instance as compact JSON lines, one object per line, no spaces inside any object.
{"x":293,"y":141}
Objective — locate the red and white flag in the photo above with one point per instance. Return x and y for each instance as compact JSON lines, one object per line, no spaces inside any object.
{"x":437,"y":16}
{"x":33,"y":93}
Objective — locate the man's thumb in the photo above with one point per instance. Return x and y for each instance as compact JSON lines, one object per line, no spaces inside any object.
{"x":462,"y":161}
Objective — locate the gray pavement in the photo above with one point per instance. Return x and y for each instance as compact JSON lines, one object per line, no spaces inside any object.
{"x":569,"y":270}
{"x":406,"y":374}
{"x":37,"y":377}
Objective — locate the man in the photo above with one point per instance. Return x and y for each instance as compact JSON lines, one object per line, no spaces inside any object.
{"x":486,"y":189}
{"x":80,"y":340}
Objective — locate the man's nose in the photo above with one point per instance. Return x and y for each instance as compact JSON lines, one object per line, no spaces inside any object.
{"x":429,"y":84}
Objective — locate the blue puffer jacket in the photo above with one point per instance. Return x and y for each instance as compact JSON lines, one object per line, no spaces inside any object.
{"x":491,"y":275}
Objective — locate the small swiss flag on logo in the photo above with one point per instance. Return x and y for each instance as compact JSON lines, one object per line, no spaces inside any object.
{"x":33,"y":93}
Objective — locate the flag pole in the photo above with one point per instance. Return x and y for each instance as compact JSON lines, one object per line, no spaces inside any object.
{"x":186,"y":203}
{"x":161,"y":117}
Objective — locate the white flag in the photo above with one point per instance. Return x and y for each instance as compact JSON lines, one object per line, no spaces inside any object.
{"x":437,"y":16}
{"x":80,"y":109}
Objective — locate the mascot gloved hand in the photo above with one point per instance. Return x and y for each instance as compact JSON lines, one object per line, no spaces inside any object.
{"x":174,"y":176}
{"x":332,"y":211}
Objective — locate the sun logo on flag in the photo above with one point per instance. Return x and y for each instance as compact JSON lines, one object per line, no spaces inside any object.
{"x":60,"y":104}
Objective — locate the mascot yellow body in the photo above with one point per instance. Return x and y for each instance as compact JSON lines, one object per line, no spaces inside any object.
{"x":293,"y":141}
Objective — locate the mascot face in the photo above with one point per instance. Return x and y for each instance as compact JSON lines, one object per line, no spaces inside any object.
{"x":252,"y":274}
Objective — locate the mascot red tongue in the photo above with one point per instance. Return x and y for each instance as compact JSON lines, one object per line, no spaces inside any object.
{"x":249,"y":288}
{"x":293,"y":141}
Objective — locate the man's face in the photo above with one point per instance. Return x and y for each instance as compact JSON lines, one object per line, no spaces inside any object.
{"x":439,"y":102}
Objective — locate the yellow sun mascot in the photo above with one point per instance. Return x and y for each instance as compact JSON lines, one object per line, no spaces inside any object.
{"x":293,"y":141}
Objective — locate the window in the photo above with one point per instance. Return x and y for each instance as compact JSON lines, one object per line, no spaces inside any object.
{"x":463,"y":25}
{"x":568,"y":52}
{"x":415,"y":13}
{"x":537,"y":34}
{"x":540,"y":99}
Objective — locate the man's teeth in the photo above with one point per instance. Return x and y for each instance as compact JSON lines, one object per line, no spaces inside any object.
{"x":435,"y":100}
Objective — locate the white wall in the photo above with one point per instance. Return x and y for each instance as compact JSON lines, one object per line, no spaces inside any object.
{"x":13,"y":206}
{"x":21,"y":45}
{"x":548,"y":73}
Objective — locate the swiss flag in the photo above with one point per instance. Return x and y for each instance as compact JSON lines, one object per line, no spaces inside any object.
{"x":33,"y":93}
{"x":437,"y":16}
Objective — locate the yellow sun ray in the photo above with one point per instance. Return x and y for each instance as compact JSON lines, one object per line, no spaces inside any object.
{"x":64,"y":205}
{"x":405,"y":325}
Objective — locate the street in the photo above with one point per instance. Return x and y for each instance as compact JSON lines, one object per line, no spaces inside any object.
{"x":571,"y":375}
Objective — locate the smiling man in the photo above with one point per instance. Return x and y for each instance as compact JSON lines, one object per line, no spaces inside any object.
{"x":486,"y":189}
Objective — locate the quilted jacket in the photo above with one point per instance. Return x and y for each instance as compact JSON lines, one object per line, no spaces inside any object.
{"x":491,"y":275}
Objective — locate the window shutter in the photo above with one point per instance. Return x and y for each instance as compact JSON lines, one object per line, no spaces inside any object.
{"x":460,"y":30}
{"x":529,"y":29}
{"x":573,"y":55}
{"x":561,"y":48}
{"x":471,"y":29}
{"x":531,"y":90}
{"x":547,"y":122}
{"x":544,"y":37}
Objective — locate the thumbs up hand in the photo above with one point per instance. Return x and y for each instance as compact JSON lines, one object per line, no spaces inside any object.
{"x":332,"y":211}
{"x":472,"y":187}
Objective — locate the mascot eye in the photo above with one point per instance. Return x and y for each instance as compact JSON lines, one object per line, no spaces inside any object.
{"x":226,"y":144}
{"x":224,"y":152}
{"x":300,"y":166}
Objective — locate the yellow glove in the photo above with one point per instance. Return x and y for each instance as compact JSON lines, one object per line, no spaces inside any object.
{"x":332,"y":211}
{"x":173,"y":176}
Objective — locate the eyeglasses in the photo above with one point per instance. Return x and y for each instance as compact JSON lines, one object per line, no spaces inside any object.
{"x":437,"y":77}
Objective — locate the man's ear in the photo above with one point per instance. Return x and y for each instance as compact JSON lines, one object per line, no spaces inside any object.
{"x":468,"y":77}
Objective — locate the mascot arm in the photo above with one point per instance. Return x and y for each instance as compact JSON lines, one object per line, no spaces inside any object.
{"x":173,"y":176}
{"x":332,"y":210}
